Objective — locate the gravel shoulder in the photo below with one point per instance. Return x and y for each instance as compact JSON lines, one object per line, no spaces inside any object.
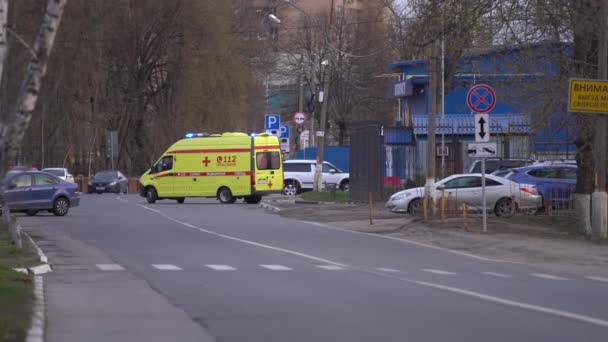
{"x":547,"y":243}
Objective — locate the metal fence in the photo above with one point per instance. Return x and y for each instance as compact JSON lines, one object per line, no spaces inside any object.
{"x":556,"y":202}
{"x":383,"y":160}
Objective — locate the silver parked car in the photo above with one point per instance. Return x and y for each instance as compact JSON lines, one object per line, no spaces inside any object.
{"x":502,"y":195}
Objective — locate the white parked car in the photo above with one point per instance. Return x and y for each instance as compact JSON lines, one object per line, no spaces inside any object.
{"x":502,"y":195}
{"x":61,"y":173}
{"x":299,"y":175}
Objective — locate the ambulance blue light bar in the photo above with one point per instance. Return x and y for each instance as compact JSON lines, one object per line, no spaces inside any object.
{"x":196,"y":135}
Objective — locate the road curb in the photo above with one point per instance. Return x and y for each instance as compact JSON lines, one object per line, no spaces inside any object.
{"x":41,"y":255}
{"x":270,"y":207}
{"x":36,"y":331}
{"x":306,"y":202}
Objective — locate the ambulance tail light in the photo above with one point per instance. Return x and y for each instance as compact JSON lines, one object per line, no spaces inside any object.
{"x":252,"y":179}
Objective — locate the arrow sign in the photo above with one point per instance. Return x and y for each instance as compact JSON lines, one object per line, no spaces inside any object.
{"x":482,"y":131}
{"x":482,"y":128}
{"x":482,"y":150}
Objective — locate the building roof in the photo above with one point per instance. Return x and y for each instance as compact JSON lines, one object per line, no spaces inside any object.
{"x":492,"y":51}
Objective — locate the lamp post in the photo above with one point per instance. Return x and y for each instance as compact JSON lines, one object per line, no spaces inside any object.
{"x":323,"y":98}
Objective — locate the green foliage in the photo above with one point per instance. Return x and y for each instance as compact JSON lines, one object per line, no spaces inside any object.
{"x":327,"y":196}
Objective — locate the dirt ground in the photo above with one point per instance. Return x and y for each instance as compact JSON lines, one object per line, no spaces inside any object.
{"x":547,"y":242}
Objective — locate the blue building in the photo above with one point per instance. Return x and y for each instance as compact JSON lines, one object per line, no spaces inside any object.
{"x":530,"y":119}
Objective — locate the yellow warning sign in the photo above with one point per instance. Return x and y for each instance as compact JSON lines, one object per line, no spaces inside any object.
{"x":589,"y":96}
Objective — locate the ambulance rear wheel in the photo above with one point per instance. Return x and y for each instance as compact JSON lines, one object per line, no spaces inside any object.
{"x":180,"y":200}
{"x":151,"y":195}
{"x":253,"y":199}
{"x":225,"y":195}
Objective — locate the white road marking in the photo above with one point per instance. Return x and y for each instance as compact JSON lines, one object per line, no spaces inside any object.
{"x":388,"y":270}
{"x":331,"y":267}
{"x":468,"y":255}
{"x":110,"y":267}
{"x":477,"y":295}
{"x":516,"y":304}
{"x":496,"y":274}
{"x":602,"y":279}
{"x":284,"y":250}
{"x":166,"y":267}
{"x":547,"y":276}
{"x":221,"y":267}
{"x":276,"y":267}
{"x":430,"y":270}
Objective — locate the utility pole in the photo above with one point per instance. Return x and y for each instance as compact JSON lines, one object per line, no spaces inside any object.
{"x":599,"y":198}
{"x":300,"y":104}
{"x":442,"y":97}
{"x":434,"y":89}
{"x":301,"y":82}
{"x":321,"y":139}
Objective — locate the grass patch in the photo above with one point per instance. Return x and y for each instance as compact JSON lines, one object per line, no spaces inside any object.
{"x":327,"y":196}
{"x":16,"y":290}
{"x":563,"y":227}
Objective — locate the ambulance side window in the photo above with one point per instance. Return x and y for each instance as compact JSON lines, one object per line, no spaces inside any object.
{"x":164,"y":164}
{"x":268,"y":160}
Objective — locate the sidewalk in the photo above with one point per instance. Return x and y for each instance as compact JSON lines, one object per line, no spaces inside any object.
{"x":84,"y":304}
{"x":543,"y":247}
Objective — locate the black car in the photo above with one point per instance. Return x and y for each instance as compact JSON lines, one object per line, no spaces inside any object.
{"x":109,"y":181}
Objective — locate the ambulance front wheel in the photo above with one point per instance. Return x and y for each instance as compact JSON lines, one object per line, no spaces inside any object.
{"x":225,"y":195}
{"x":180,"y":200}
{"x":151,"y":195}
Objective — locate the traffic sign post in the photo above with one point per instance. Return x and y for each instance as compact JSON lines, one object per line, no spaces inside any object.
{"x":481,"y":99}
{"x":482,"y":150}
{"x":284,"y":143}
{"x":588,"y":96}
{"x":284,"y":131}
{"x":284,"y":138}
{"x":299,"y":118}
{"x":272,"y":121}
{"x":482,"y":128}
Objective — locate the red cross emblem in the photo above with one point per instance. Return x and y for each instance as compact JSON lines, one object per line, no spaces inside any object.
{"x":206,"y":161}
{"x":269,"y":184}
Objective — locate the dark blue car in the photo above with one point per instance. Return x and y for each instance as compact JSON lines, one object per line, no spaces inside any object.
{"x":33,"y":191}
{"x":555,"y":183}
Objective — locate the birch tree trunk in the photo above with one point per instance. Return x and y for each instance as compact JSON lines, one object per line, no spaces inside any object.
{"x":3,"y":53}
{"x":3,"y":45}
{"x":14,"y":128}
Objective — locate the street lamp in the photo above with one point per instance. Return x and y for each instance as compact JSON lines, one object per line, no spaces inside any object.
{"x":274,"y":18}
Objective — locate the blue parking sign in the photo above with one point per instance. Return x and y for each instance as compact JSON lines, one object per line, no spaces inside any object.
{"x":272,"y":121}
{"x":284,"y":131}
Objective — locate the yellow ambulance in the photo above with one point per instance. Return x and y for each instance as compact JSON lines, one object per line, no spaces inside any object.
{"x":225,"y":166}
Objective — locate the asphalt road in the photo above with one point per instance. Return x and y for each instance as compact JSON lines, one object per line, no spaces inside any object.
{"x":243,"y":274}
